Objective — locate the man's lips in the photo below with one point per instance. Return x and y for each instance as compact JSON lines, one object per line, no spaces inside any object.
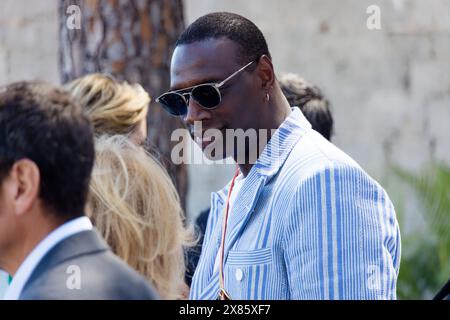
{"x":204,"y":140}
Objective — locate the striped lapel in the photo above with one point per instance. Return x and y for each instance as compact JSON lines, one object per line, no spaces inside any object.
{"x":268,"y":164}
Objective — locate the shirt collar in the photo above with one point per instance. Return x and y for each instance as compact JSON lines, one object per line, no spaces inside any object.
{"x":38,"y":253}
{"x":281,"y":143}
{"x":275,"y":152}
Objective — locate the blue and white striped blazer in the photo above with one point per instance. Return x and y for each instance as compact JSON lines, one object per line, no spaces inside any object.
{"x":308,"y":223}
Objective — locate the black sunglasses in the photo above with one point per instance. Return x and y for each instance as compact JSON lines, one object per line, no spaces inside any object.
{"x":207,"y":95}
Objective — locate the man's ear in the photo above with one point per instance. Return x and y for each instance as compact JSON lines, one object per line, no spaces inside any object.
{"x":266,"y":72}
{"x":25,"y":182}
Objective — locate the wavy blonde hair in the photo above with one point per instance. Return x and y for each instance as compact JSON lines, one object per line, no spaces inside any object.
{"x":113,"y":107}
{"x":136,"y":208}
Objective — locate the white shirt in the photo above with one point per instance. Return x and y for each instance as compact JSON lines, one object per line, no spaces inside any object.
{"x":238,"y":183}
{"x":32,"y":260}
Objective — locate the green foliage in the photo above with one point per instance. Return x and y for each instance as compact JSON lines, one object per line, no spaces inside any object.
{"x":425,"y":264}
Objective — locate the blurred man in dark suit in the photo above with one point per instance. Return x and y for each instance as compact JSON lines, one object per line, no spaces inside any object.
{"x":46,"y":243}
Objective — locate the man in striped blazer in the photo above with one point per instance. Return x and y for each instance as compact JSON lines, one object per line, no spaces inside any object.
{"x":302,"y":221}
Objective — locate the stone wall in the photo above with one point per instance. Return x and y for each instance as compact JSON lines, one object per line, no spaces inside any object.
{"x":28,"y":40}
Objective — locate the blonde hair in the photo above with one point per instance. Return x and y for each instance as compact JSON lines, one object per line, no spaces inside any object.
{"x":113,"y":107}
{"x":136,"y":208}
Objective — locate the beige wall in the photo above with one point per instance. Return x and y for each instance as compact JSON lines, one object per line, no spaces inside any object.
{"x":28,"y":40}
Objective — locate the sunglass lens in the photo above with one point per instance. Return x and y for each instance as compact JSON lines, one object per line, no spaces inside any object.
{"x":206,"y":95}
{"x":173,"y":103}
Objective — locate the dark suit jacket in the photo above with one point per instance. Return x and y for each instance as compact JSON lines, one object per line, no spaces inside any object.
{"x":193,"y":254}
{"x":103,"y":275}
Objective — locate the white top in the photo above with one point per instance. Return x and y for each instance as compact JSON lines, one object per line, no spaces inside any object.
{"x":238,"y":183}
{"x":32,"y":260}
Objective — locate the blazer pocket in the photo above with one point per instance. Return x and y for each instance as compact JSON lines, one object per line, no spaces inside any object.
{"x":249,"y":257}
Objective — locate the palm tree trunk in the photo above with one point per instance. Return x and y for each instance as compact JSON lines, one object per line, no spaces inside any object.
{"x":133,"y":40}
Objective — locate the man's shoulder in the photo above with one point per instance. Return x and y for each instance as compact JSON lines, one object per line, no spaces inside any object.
{"x":95,"y":276}
{"x":313,"y":155}
{"x":314,"y":145}
{"x":92,"y":275}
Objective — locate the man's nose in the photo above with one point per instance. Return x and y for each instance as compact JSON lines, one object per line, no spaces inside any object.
{"x":195,"y":113}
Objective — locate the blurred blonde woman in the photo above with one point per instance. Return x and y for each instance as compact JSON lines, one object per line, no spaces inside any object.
{"x":132,"y":201}
{"x":135,"y":206}
{"x":113,"y":107}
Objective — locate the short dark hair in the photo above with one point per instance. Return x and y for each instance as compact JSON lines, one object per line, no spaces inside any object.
{"x":242,"y":31}
{"x":310,"y":100}
{"x":41,"y":122}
